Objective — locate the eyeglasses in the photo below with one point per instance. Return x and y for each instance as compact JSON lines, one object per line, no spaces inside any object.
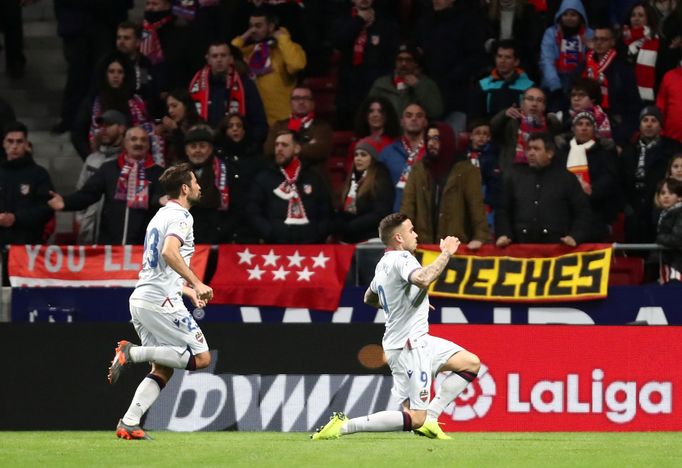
{"x":538,"y":99}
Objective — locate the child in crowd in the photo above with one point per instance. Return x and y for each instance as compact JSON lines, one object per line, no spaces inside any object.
{"x":482,"y":153}
{"x":669,"y":234}
{"x":675,"y":167}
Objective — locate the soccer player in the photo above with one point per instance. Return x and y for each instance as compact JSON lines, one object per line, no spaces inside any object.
{"x":171,"y":339}
{"x":400,"y":288}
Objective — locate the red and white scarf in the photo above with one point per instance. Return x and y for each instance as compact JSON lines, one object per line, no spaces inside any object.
{"x":571,"y":50}
{"x":296,"y":124}
{"x":282,"y":2}
{"x":399,"y":82}
{"x":595,"y":70}
{"x":150,"y":46}
{"x":132,"y":184}
{"x":259,"y":61}
{"x":199,"y":89}
{"x":414,"y":154}
{"x":360,"y":42}
{"x":577,"y":160}
{"x":220,"y":182}
{"x":527,"y":126}
{"x":187,"y":9}
{"x":644,"y":47}
{"x":350,"y":206}
{"x":288,"y":190}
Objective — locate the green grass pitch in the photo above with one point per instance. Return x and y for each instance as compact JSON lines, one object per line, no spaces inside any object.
{"x":269,"y":449}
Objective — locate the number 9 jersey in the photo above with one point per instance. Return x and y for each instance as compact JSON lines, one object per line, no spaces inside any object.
{"x":159,"y":286}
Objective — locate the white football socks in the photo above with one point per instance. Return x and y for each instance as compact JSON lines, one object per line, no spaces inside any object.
{"x":383,"y":421}
{"x":145,"y":396}
{"x":452,"y":386}
{"x":163,"y":355}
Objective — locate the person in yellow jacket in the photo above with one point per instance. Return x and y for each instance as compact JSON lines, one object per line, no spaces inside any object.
{"x":274,"y":59}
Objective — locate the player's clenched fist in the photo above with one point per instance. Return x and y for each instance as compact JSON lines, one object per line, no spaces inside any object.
{"x":450,"y":245}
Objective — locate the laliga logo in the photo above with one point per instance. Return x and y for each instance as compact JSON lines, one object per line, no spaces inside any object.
{"x":475,"y":400}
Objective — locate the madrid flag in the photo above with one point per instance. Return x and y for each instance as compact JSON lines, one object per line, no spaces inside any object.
{"x":306,"y":276}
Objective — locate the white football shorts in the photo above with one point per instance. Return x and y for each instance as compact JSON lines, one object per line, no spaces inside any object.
{"x":414,"y":368}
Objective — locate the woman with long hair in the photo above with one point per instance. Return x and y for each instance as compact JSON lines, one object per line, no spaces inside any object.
{"x":180,"y":117}
{"x":640,"y":40}
{"x":377,"y":123}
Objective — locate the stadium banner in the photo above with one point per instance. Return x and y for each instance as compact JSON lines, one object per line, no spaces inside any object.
{"x":81,"y":265}
{"x":524,"y":273}
{"x":310,"y":276}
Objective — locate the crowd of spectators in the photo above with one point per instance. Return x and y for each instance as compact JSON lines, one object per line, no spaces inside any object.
{"x":499,"y":121}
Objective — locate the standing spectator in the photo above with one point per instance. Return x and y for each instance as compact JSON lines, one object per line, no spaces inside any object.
{"x":401,"y":155}
{"x":289,"y":204}
{"x":285,"y":13}
{"x":274,"y":59}
{"x":376,"y":123}
{"x":367,"y":41}
{"x":109,"y":143}
{"x":640,"y":38}
{"x":586,"y":97}
{"x":669,"y":100}
{"x":670,"y":50}
{"x":207,"y":20}
{"x":180,"y":117}
{"x":484,"y":154}
{"x":443,"y":195}
{"x":24,"y":188}
{"x":219,"y":88}
{"x":669,"y":231}
{"x":130,"y":186}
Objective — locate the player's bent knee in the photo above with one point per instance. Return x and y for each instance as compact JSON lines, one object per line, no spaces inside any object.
{"x":418,"y":418}
{"x":202,"y":360}
{"x":475,"y":363}
{"x":165,"y":373}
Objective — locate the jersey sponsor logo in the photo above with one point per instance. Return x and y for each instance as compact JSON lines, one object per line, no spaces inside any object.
{"x":184,"y":227}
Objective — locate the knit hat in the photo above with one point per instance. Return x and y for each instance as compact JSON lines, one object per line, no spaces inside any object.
{"x":198,"y":134}
{"x":112,"y":117}
{"x":365,"y":146}
{"x":652,"y":111}
{"x":412,"y":49}
{"x":585,"y":115}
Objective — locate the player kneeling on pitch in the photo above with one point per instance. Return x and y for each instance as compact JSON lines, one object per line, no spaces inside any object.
{"x":400,"y":288}
{"x":170,"y":337}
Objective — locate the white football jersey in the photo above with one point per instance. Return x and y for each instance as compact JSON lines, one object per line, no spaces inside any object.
{"x":159,"y":285}
{"x":405,"y":305}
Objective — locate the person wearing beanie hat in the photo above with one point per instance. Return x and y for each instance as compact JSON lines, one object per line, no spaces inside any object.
{"x":652,"y":111}
{"x":367,"y":148}
{"x":199,"y":133}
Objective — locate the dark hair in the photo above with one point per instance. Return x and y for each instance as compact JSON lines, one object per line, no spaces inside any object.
{"x":389,"y":224}
{"x":295,"y":136}
{"x":508,"y":44}
{"x":192,"y":116}
{"x":674,"y":186}
{"x":128,"y":86}
{"x":222,"y":126}
{"x":265,"y":12}
{"x":590,"y":87}
{"x":392,"y":124}
{"x":174,"y":177}
{"x":546,"y":139}
{"x":15,"y":126}
{"x":414,"y":102}
{"x":137,"y":29}
{"x":611,"y":29}
{"x":479,"y":122}
{"x":671,"y":161}
{"x":302,"y":85}
{"x":649,"y":12}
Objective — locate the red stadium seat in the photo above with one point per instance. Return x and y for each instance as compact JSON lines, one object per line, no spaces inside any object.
{"x":626,"y":271}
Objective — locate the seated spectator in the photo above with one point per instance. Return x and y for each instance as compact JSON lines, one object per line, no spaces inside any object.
{"x":586,"y":97}
{"x":24,"y":188}
{"x":641,"y":42}
{"x":220,"y":88}
{"x":669,"y":231}
{"x":484,"y":154}
{"x":400,"y":156}
{"x":563,"y":50}
{"x":512,"y":127}
{"x":127,"y":209}
{"x":109,"y":145}
{"x":644,"y":164}
{"x":180,"y":116}
{"x":289,"y":203}
{"x":443,"y":195}
{"x":669,"y":100}
{"x":542,"y":203}
{"x":505,"y":85}
{"x":616,"y":78}
{"x":314,"y":135}
{"x":367,"y":197}
{"x":408,"y":84}
{"x":274,"y":59}
{"x":367,"y":41}
{"x":675,"y":167}
{"x":596,"y":169}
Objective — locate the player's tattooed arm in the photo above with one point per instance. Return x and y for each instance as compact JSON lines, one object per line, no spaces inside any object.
{"x":372,"y":299}
{"x":427,"y":275}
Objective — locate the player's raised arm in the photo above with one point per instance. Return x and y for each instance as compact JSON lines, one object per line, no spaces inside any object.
{"x":423,"y":277}
{"x":171,"y":254}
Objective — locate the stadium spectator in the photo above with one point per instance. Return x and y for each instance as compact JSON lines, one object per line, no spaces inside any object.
{"x":542,"y":202}
{"x":207,"y":21}
{"x":641,"y":42}
{"x":443,"y":194}
{"x":644,"y":164}
{"x":669,"y":100}
{"x":669,"y":230}
{"x":452,"y":36}
{"x":585,"y":97}
{"x":400,"y":156}
{"x":377,"y":122}
{"x":504,"y":86}
{"x":408,"y":84}
{"x":220,"y":88}
{"x":675,"y":167}
{"x":109,"y":142}
{"x":367,"y":41}
{"x":512,"y":127}
{"x":181,"y":115}
{"x":289,"y":203}
{"x":366,"y":198}
{"x":563,"y":50}
{"x":274,"y":59}
{"x":484,"y":154}
{"x":24,"y":188}
{"x":670,"y":49}
{"x":289,"y":14}
{"x":314,"y":135}
{"x":130,"y":188}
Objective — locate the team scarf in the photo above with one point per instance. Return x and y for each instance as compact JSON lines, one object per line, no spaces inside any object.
{"x":187,"y":9}
{"x":282,"y":2}
{"x":644,"y":147}
{"x":296,"y":124}
{"x":199,"y":89}
{"x":527,"y":126}
{"x":259,"y":61}
{"x":132,"y":184}
{"x":577,"y":160}
{"x":220,"y":182}
{"x":399,"y":82}
{"x":539,"y":5}
{"x":571,"y":50}
{"x":595,"y":70}
{"x":350,"y":205}
{"x":360,"y":42}
{"x":150,"y":46}
{"x":414,"y":154}
{"x":643,"y":47}
{"x":287,"y":190}
{"x":603,"y":124}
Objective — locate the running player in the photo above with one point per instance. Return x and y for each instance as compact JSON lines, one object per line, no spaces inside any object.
{"x":170,"y":337}
{"x":400,"y":288}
